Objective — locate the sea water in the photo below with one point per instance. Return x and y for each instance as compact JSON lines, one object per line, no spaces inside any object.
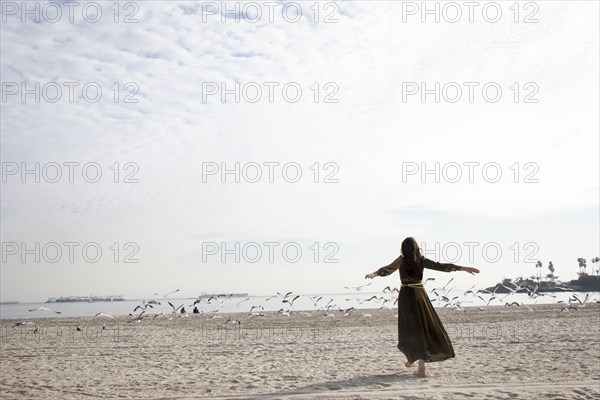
{"x":268,"y":303}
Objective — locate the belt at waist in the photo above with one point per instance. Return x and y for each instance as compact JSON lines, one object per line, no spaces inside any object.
{"x":413,"y":284}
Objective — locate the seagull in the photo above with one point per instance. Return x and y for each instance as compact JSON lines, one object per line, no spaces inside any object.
{"x":447,"y":300}
{"x":354,"y":299}
{"x":173,"y":307}
{"x":44,"y":309}
{"x":516,"y":288}
{"x":489,"y":300}
{"x":101,"y":314}
{"x":291,"y":302}
{"x":448,"y":283}
{"x":233,"y":321}
{"x":469,"y":291}
{"x":287,"y":294}
{"x":312,"y":298}
{"x":347,"y":311}
{"x":564,"y":289}
{"x":357,"y":287}
{"x":328,"y":315}
{"x":287,"y":313}
{"x":240,"y":302}
{"x":365,"y":316}
{"x":273,"y":297}
{"x":257,"y":307}
{"x":143,"y":307}
{"x":137,"y":318}
{"x":194,"y":303}
{"x":23,"y":323}
{"x":383,"y":304}
{"x":330,"y":306}
{"x":582,"y":303}
{"x":369,"y":299}
{"x":153,"y":302}
{"x":166,"y":294}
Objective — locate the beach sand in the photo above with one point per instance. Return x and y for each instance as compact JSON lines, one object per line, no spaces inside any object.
{"x":501,"y":353}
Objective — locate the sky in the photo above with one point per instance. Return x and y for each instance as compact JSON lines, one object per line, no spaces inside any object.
{"x":274,"y":146}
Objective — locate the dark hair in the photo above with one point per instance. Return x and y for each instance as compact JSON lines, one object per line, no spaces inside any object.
{"x":411,"y":255}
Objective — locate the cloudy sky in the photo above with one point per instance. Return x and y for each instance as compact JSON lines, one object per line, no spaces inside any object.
{"x":131,"y":115}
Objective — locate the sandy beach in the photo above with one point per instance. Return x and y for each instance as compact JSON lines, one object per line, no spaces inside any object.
{"x":501,"y":353}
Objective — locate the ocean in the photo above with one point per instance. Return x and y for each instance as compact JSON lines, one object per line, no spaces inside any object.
{"x":241,"y":305}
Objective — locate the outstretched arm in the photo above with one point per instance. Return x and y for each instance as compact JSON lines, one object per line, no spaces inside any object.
{"x":448,"y":267}
{"x":388,"y":269}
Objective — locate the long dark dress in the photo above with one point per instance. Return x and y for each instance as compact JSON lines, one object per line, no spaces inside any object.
{"x":421,"y":334}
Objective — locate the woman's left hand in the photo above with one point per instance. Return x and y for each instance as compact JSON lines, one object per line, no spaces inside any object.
{"x":470,"y":270}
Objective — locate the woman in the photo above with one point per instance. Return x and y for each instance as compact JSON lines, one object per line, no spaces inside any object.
{"x":421,"y":335}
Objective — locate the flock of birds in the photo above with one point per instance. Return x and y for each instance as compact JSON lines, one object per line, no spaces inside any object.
{"x":442,"y":296}
{"x":447,"y":296}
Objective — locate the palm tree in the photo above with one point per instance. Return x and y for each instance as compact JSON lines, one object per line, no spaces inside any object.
{"x":538,"y":269}
{"x":582,"y":266}
{"x":551,"y":275}
{"x":596,"y":260}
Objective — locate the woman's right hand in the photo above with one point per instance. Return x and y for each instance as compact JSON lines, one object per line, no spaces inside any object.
{"x":371,"y":275}
{"x":470,"y":270}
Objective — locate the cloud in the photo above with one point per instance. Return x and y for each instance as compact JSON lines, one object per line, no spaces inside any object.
{"x":361,"y":61}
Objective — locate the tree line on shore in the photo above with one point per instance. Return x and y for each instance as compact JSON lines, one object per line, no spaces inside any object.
{"x":586,"y":282}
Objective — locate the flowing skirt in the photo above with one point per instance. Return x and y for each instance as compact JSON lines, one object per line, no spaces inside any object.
{"x":421,"y":334}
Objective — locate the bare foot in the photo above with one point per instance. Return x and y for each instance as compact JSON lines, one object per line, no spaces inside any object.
{"x":421,"y":370}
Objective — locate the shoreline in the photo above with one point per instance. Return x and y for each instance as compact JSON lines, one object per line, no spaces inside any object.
{"x":297,"y":313}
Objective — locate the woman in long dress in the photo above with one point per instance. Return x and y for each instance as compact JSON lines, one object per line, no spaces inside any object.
{"x":421,"y":335}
